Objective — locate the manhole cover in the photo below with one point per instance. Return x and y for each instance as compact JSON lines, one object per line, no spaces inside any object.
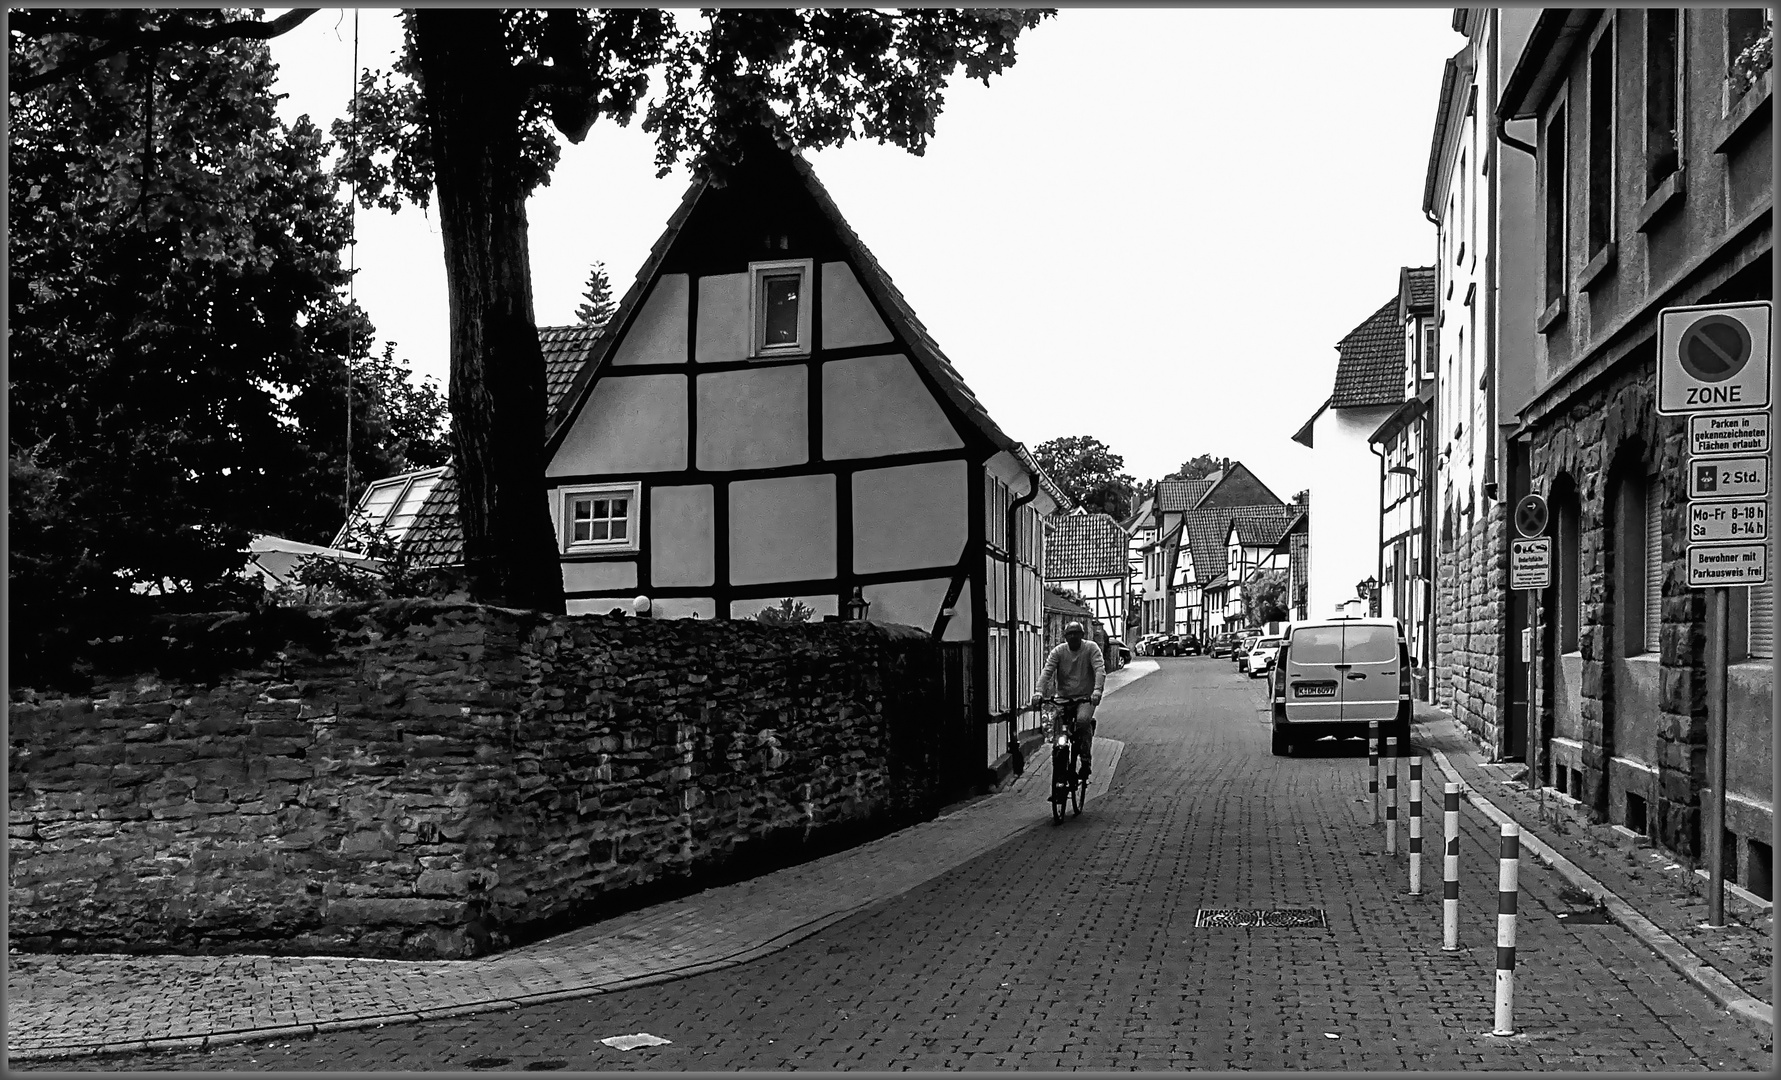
{"x":1219,"y":918}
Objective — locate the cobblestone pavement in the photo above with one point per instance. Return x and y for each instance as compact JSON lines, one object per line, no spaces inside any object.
{"x":1658,"y":885}
{"x":1075,"y":947}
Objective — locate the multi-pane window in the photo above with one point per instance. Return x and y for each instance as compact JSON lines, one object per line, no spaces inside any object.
{"x":1570,"y":606}
{"x":1601,"y":142}
{"x":1430,"y":349}
{"x":1652,"y":623}
{"x":1554,"y":148}
{"x":600,"y":518}
{"x":1662,"y":71}
{"x":780,"y":307}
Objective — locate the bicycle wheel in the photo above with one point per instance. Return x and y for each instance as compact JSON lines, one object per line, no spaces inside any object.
{"x":1078,"y":792}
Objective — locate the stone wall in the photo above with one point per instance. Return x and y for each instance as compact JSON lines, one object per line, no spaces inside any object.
{"x":1470,"y":677}
{"x":1612,"y":427}
{"x":418,"y":779}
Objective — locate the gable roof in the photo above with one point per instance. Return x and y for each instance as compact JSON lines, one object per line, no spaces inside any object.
{"x":1175,"y":496}
{"x":1226,"y":490}
{"x":1055,"y":602}
{"x":1371,"y":369}
{"x":763,"y":158}
{"x":1303,"y":435}
{"x":1206,"y":531}
{"x":1258,"y":525}
{"x":1086,"y":546}
{"x":1416,"y":291}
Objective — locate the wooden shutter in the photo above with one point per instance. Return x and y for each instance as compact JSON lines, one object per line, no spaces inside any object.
{"x":1654,"y":564}
{"x":1762,"y":613}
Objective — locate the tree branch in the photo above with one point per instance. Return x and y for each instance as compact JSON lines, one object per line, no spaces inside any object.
{"x":251,"y":29}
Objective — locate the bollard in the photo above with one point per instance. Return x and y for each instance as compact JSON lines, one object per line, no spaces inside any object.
{"x":1450,"y":870}
{"x":1508,"y":874}
{"x":1416,"y":825}
{"x":1373,"y":767}
{"x":1391,"y":797}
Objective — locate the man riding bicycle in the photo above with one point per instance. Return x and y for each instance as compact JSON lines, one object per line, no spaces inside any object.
{"x":1077,"y":673}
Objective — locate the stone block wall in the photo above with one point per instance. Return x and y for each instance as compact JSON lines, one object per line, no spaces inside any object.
{"x":420,"y":779}
{"x":1471,"y":668}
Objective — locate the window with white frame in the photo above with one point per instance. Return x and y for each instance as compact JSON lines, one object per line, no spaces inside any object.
{"x":599,"y":518}
{"x":780,"y":302}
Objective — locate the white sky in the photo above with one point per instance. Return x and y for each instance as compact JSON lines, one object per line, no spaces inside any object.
{"x":1153,"y":229}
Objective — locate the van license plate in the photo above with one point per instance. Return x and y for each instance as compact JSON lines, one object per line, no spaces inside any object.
{"x":1316,"y":689}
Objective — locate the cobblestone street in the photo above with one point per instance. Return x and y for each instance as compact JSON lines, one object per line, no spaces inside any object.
{"x":1075,"y":947}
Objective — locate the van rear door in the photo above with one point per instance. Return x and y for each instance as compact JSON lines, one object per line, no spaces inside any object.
{"x":1370,"y":679}
{"x":1313,"y":684}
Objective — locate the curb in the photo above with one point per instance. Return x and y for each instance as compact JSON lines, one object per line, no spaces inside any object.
{"x":1727,"y":994}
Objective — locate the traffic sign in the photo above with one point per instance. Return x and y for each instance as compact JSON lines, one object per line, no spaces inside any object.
{"x":1728,"y":478}
{"x":1530,"y":563}
{"x":1728,"y":433}
{"x":1745,"y":520}
{"x":1530,"y":515}
{"x":1713,"y":358}
{"x":1720,"y":565}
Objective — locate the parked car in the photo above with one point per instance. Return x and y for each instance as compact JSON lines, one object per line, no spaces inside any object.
{"x":1222,"y":645}
{"x":1190,"y":645}
{"x":1125,"y":653}
{"x":1334,"y":676}
{"x":1171,"y":645}
{"x":1261,"y":656}
{"x":1245,"y":639}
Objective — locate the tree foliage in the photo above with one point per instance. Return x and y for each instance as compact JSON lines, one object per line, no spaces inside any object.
{"x":178,"y":343}
{"x":1195,"y":468}
{"x":788,"y":612}
{"x":1264,"y":597}
{"x":1089,"y":473}
{"x":597,"y":304}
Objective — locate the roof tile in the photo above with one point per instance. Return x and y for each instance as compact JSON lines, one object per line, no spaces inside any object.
{"x":1371,"y":369}
{"x":1086,"y":546}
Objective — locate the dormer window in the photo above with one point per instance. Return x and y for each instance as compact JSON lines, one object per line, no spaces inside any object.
{"x":780,"y":305}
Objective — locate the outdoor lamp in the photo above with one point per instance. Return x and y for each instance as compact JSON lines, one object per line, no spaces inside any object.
{"x":857,"y":605}
{"x":640,"y":607}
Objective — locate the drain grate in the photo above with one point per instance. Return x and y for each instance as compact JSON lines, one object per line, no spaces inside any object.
{"x":1245,"y":918}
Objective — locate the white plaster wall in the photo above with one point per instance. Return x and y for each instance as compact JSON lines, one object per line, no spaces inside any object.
{"x":681,"y":541}
{"x":848,"y":317}
{"x":753,"y":418}
{"x":877,"y":405}
{"x":820,"y":605}
{"x":909,"y":516}
{"x":599,"y":605}
{"x":604,"y":576}
{"x":1345,"y":492}
{"x":722,"y":332}
{"x":634,"y":423}
{"x":698,"y":607}
{"x":658,"y":334}
{"x":782,"y":529}
{"x":912,"y":603}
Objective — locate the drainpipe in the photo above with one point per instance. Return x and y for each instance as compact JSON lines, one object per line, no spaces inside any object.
{"x":1379,"y":544}
{"x":1507,"y":139}
{"x":1015,"y":706}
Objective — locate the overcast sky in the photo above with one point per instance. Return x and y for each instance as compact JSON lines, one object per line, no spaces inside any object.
{"x":1153,"y":229}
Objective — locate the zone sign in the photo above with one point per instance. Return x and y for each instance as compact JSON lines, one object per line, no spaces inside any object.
{"x":1713,"y":358}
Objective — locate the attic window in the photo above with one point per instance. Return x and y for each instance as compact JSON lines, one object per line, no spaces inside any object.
{"x":780,"y":307}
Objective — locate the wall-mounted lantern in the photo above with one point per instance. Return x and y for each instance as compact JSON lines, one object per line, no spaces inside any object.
{"x":857,"y":605}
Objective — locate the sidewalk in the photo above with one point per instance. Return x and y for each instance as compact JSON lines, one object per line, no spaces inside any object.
{"x":63,"y":1005}
{"x":1652,"y":894}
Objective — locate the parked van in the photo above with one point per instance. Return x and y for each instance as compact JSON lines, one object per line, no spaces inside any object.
{"x":1334,"y":676}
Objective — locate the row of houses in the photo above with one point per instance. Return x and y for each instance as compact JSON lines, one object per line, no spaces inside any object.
{"x":1587,"y":169}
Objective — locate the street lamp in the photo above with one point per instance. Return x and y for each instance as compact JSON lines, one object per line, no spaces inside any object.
{"x":857,"y":605}
{"x":1368,"y":590}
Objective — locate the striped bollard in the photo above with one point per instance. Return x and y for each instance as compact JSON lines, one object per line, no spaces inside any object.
{"x":1391,"y":797}
{"x":1450,"y":870}
{"x":1415,"y":825}
{"x":1373,"y":767}
{"x":1508,"y":874}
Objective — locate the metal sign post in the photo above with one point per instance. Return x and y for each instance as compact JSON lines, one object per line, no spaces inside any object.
{"x":1530,"y":569}
{"x":1713,"y":366}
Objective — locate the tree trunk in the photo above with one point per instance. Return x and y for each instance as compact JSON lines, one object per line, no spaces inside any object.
{"x":497,"y":369}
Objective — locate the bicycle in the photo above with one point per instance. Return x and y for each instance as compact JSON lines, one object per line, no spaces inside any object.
{"x":1068,"y":785}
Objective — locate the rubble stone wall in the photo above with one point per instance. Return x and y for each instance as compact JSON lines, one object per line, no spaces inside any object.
{"x":1472,"y":593}
{"x":440,"y":780}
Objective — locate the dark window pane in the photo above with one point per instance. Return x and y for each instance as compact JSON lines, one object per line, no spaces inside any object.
{"x":1555,"y":207}
{"x":619,"y":507}
{"x":602,"y":508}
{"x":618,"y":528}
{"x":1371,"y":644}
{"x":1317,"y":645}
{"x":580,"y":531}
{"x":600,"y":528}
{"x":1660,"y":96}
{"x":779,"y":320}
{"x":1601,"y":143}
